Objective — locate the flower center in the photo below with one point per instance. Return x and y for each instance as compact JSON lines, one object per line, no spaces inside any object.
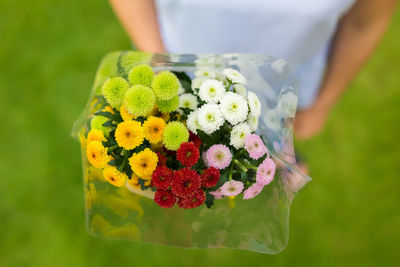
{"x":231,"y":189}
{"x":188,"y":154}
{"x":210,"y":117}
{"x":155,"y":130}
{"x":212,"y":91}
{"x":220,"y":156}
{"x":186,"y":184}
{"x":162,"y":178}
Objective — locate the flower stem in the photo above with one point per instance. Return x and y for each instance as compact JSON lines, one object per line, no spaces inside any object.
{"x":240,"y":165}
{"x":249,"y":166}
{"x":125,"y":160}
{"x":111,"y":148}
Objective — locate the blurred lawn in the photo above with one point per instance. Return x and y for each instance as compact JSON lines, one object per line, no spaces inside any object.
{"x":49,"y":50}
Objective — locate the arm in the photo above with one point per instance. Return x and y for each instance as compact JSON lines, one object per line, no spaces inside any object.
{"x":358,"y":33}
{"x":139,"y":18}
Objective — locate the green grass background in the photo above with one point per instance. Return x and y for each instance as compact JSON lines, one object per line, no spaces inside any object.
{"x":49,"y":50}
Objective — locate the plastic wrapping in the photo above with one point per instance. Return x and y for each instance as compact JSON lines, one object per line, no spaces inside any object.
{"x":259,"y":224}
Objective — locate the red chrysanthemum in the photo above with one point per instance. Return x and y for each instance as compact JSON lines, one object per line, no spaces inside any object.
{"x":162,"y":160}
{"x":195,"y":139}
{"x":188,"y":154}
{"x":185,"y":183}
{"x":164,"y":198}
{"x":162,"y":177}
{"x":193,"y":201}
{"x":210,"y":177}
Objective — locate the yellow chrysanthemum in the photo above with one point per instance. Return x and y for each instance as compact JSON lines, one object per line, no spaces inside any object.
{"x":129,"y":134}
{"x":95,"y":135}
{"x":147,"y":178}
{"x":126,"y":116}
{"x":97,"y":154}
{"x":109,"y":109}
{"x":114,"y":176}
{"x":153,"y":129}
{"x":144,"y":163}
{"x":134,"y":182}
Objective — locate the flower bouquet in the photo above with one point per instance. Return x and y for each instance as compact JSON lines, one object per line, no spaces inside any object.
{"x":181,"y":149}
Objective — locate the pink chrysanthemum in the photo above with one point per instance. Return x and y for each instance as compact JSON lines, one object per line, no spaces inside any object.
{"x":252,"y":191}
{"x":265,"y":172}
{"x":219,"y":156}
{"x":232,"y":188}
{"x":217,"y":193}
{"x":255,"y":146}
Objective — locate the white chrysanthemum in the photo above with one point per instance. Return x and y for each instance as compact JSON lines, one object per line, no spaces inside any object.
{"x":234,"y":76}
{"x":210,"y":118}
{"x":234,"y":108}
{"x":208,"y":73}
{"x":196,"y":82}
{"x":181,"y":90}
{"x":240,"y":89}
{"x":252,"y":121}
{"x":254,"y":103}
{"x":238,"y":134}
{"x":211,"y":91}
{"x":192,"y":122}
{"x":188,"y":101}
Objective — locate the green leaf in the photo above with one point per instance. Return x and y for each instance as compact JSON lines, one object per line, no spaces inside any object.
{"x":209,"y":200}
{"x":106,"y":114}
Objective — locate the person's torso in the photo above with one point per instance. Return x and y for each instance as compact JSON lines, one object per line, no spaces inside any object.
{"x":296,"y":30}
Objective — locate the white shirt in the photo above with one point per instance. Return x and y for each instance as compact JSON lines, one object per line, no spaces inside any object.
{"x":299,"y":31}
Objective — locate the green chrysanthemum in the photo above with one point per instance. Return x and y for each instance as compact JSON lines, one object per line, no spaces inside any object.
{"x":141,"y":74}
{"x":114,"y":91}
{"x":175,"y":133}
{"x":165,"y":85}
{"x":132,"y":58}
{"x":97,"y":123}
{"x":139,"y":100}
{"x":108,"y":69}
{"x":167,"y":106}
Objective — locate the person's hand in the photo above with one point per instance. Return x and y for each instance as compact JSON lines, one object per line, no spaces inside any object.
{"x":309,"y":122}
